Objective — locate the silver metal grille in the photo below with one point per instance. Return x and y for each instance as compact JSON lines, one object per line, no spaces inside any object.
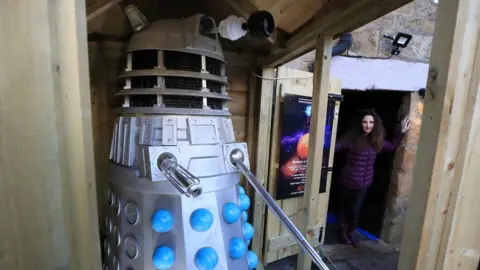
{"x":160,"y":79}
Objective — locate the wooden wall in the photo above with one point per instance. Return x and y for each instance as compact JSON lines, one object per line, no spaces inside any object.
{"x":244,"y":105}
{"x":47,"y":189}
{"x":278,"y":240}
{"x":238,"y":77}
{"x":106,"y":60}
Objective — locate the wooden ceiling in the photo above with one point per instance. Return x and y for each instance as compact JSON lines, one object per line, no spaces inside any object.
{"x":298,"y":22}
{"x":290,"y":14}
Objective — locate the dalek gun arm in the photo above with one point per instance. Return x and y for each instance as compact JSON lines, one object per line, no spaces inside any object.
{"x":180,"y":177}
{"x":237,"y":158}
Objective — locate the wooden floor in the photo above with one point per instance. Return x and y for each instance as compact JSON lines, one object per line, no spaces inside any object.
{"x":371,"y":255}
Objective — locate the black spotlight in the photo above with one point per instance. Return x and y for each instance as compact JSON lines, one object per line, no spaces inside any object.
{"x":261,"y":24}
{"x":401,"y":40}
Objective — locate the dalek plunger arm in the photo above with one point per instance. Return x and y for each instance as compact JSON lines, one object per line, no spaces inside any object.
{"x":237,"y":158}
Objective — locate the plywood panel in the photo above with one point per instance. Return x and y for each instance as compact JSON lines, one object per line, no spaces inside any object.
{"x":238,"y":90}
{"x":238,"y":105}
{"x":238,"y":78}
{"x":239,"y":124}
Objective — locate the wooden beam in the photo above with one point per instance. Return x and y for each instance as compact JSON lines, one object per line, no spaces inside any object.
{"x":321,"y":83}
{"x":334,"y":18}
{"x":441,"y":230}
{"x":252,"y":105}
{"x":103,"y":9}
{"x":263,"y":158}
{"x":47,"y":178}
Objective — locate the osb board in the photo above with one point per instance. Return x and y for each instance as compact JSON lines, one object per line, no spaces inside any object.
{"x":278,"y":241}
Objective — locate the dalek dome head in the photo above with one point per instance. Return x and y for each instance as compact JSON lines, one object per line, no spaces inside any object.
{"x":190,"y":35}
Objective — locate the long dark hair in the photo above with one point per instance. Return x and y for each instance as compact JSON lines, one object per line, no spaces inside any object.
{"x":374,"y":138}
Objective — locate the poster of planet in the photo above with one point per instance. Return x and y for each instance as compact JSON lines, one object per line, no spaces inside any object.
{"x":294,"y":136}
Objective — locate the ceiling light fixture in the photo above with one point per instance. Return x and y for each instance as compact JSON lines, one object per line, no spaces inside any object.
{"x":259,"y":24}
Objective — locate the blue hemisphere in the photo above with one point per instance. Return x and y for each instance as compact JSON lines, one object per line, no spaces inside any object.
{"x":252,"y":259}
{"x":206,"y":258}
{"x":237,"y":248}
{"x":248,"y":231}
{"x":163,"y":258}
{"x":201,"y":220}
{"x":162,"y":221}
{"x":244,"y":202}
{"x":245,"y":216}
{"x":231,"y":213}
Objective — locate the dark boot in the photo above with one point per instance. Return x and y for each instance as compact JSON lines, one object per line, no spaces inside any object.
{"x":351,"y":230}
{"x":342,"y":233}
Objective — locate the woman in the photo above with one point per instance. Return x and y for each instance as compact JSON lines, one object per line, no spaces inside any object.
{"x":361,"y":144}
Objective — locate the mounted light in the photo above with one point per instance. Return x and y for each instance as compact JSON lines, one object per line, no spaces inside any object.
{"x":401,"y":40}
{"x":259,"y":24}
{"x":136,"y":18}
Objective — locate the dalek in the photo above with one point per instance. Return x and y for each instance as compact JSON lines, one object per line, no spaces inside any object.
{"x":174,"y":200}
{"x":174,"y":196}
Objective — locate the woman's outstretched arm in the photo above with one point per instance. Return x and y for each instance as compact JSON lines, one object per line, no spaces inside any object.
{"x":342,"y":144}
{"x":390,"y":146}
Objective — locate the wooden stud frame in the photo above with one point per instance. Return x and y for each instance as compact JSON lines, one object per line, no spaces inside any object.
{"x":321,"y":81}
{"x":441,"y":231}
{"x":47,"y":171}
{"x":263,"y":158}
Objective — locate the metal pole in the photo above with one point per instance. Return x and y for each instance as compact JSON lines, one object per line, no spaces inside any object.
{"x":277,"y":211}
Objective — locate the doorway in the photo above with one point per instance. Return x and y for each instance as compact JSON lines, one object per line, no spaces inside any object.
{"x":387,"y":104}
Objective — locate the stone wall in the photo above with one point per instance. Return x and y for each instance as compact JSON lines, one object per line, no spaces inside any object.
{"x":416,"y":18}
{"x":402,"y":175}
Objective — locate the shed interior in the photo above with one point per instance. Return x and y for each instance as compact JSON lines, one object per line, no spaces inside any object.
{"x":297,"y":25}
{"x":47,"y":159}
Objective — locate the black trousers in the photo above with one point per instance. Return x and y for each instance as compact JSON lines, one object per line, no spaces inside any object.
{"x":350,"y":201}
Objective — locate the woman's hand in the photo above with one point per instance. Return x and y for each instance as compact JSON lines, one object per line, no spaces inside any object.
{"x":405,"y":124}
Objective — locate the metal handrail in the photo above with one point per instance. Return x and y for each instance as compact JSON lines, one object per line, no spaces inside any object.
{"x":237,"y":158}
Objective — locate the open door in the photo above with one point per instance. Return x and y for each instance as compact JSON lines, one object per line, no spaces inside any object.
{"x":278,"y":243}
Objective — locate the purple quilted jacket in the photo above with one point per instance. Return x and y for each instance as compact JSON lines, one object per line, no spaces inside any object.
{"x":357,"y":172}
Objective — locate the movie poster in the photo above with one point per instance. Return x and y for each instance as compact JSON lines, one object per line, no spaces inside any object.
{"x":294,"y":146}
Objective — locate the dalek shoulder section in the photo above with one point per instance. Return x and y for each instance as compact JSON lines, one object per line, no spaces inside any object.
{"x":200,"y":143}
